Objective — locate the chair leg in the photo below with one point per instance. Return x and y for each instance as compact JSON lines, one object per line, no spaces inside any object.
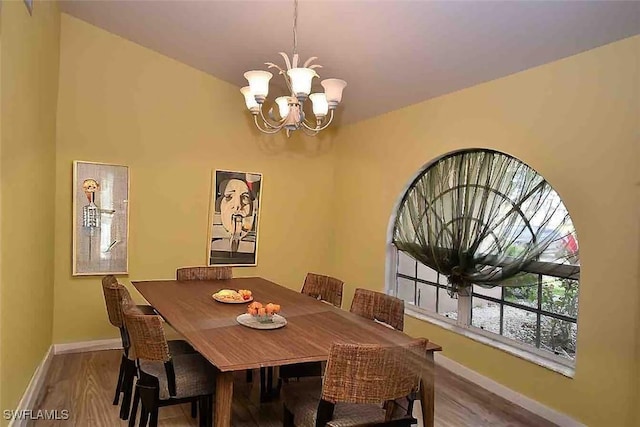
{"x":127,"y":388}
{"x":144,"y":416}
{"x":210,"y":411}
{"x":154,"y":417}
{"x":194,"y":409}
{"x":116,"y":399}
{"x":202,"y":422}
{"x":270,"y":380}
{"x":263,"y":382}
{"x":134,"y":409}
{"x":287,"y":417}
{"x":249,"y":375}
{"x":267,"y":391}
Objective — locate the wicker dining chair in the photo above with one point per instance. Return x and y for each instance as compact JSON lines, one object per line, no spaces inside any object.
{"x":378,"y":306}
{"x":362,"y":386}
{"x":164,"y":378}
{"x":114,"y":295}
{"x":204,"y":273}
{"x":324,"y":288}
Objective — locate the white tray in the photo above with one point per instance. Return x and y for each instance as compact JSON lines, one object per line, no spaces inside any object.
{"x":228,"y":301}
{"x":251,"y":322}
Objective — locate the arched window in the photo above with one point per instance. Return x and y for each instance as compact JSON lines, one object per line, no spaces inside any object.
{"x":481,"y":241}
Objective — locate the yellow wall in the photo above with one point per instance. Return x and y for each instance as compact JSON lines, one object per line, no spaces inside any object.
{"x":576,"y":122}
{"x":171,"y":124}
{"x":29,"y":80}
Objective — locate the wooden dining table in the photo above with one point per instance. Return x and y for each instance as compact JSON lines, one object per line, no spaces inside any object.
{"x":312,"y":327}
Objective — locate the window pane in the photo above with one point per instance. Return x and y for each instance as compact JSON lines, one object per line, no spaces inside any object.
{"x":490,"y":292}
{"x":406,"y":290}
{"x":519,"y":325}
{"x":560,"y":296}
{"x":426,"y":273}
{"x":427,"y":297}
{"x":525,"y":295}
{"x":558,"y":336}
{"x":485,"y":315}
{"x":443,"y":280}
{"x":447,"y":306}
{"x":406,"y":264}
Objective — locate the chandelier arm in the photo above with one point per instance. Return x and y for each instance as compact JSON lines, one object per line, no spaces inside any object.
{"x":321,"y":126}
{"x":266,"y":130}
{"x":268,"y":123}
{"x":308,"y":132}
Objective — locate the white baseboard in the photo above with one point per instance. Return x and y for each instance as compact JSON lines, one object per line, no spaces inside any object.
{"x":516,"y":398}
{"x":85,"y":346}
{"x":31,"y":394}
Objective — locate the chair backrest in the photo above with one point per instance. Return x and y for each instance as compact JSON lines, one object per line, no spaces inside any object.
{"x":378,"y":306}
{"x":148,"y":341}
{"x":204,"y":273}
{"x":366,"y":373}
{"x":325,"y":288}
{"x":113,"y":299}
{"x":146,"y":333}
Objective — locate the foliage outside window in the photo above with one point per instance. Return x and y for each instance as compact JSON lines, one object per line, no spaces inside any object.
{"x":484,"y":241}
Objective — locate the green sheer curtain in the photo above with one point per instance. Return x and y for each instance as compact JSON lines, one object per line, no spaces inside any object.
{"x":483,"y":217}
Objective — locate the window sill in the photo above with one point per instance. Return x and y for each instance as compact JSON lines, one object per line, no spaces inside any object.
{"x":546,"y":362}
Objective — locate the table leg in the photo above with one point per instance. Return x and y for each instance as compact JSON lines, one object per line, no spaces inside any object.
{"x":427,"y":392}
{"x":224,"y":396}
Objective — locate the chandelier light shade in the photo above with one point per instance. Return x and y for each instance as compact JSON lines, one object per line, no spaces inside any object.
{"x":259,"y":84}
{"x":249,"y":99}
{"x":299,"y":81}
{"x":283,"y":105}
{"x":333,"y":90}
{"x":320,"y":105}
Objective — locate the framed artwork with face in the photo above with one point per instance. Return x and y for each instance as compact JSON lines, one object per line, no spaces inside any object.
{"x":234,"y":217}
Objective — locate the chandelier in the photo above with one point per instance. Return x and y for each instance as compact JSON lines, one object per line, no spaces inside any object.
{"x":290,"y":108}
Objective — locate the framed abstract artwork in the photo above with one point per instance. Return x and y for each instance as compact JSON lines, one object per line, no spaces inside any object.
{"x":234,"y":217}
{"x":100,"y":219}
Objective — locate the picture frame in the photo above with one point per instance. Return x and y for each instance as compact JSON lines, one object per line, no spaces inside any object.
{"x":100,"y":218}
{"x":29,"y":5}
{"x":234,"y":218}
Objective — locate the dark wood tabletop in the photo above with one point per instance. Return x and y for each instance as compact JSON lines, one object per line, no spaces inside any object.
{"x":212,"y":329}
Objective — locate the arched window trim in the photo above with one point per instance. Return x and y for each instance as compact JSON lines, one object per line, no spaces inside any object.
{"x":462,"y":325}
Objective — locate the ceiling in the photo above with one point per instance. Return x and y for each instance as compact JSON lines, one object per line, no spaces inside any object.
{"x":391,"y":53}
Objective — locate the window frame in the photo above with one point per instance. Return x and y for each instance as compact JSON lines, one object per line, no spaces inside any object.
{"x":462,"y":325}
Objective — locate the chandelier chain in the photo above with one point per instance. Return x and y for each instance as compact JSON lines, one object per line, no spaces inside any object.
{"x":295,"y":26}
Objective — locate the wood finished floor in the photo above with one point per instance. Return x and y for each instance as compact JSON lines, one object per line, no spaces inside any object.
{"x":84,"y":383}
